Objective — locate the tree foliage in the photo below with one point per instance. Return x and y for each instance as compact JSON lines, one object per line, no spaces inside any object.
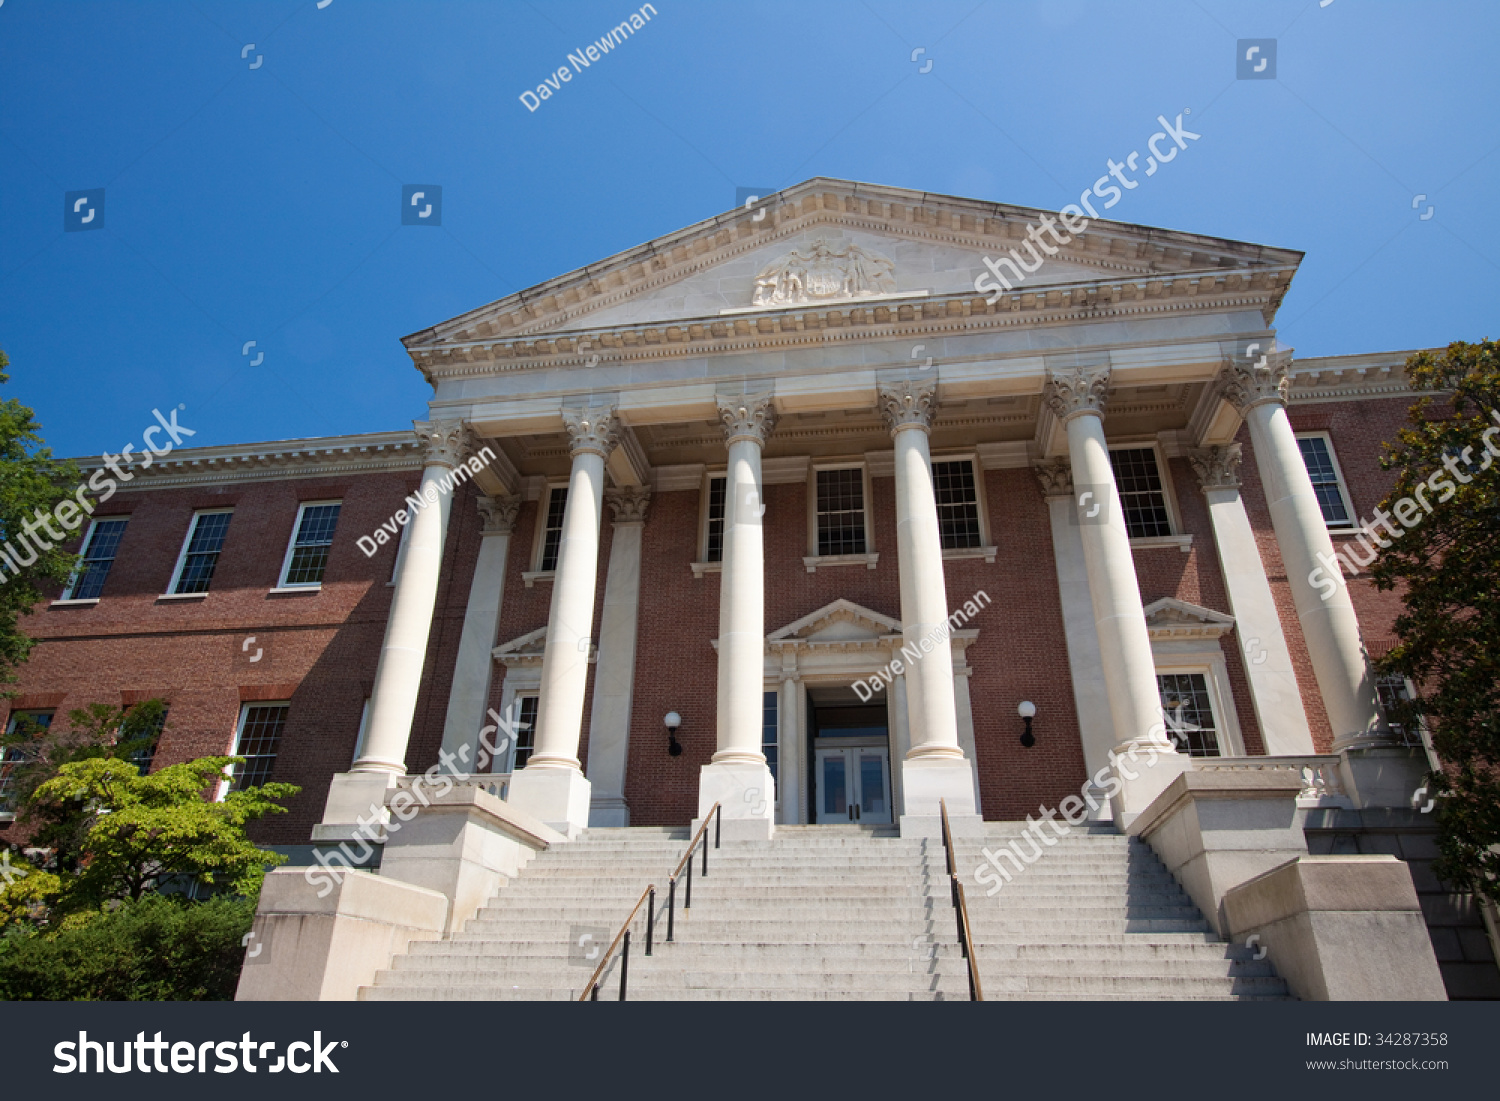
{"x":1448,"y":566}
{"x":30,"y":480}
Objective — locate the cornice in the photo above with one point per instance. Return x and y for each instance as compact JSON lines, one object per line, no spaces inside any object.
{"x":280,"y":460}
{"x":1345,"y":378}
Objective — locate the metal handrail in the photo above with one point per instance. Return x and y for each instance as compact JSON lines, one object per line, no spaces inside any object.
{"x":591,"y":992}
{"x":960,"y":910}
{"x":716,"y":812}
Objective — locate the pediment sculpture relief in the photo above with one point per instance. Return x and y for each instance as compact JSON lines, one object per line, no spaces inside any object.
{"x":828,"y":269}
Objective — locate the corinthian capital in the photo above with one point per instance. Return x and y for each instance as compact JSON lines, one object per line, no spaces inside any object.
{"x":1217,"y":467}
{"x":1082,"y":390}
{"x":747,"y":416}
{"x":498,"y":514}
{"x":447,"y":442}
{"x":909,"y":405}
{"x":1056,"y":477}
{"x":595,"y":429}
{"x":629,"y":503}
{"x":1245,"y":385}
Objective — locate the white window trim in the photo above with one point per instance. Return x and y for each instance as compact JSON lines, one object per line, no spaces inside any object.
{"x":702,"y":565}
{"x":986,"y":549}
{"x":519,"y":682}
{"x":1338,"y":473}
{"x":88,"y":538}
{"x":1174,"y":538}
{"x":239,"y":732}
{"x":291,"y":547}
{"x":1215,"y":673}
{"x":539,"y":536}
{"x":172,"y":593}
{"x":813,"y":559}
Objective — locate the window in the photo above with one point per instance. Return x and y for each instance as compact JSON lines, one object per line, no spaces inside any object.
{"x":1143,"y":497}
{"x":307,"y":557}
{"x":148,"y":738}
{"x":768,"y":740}
{"x":1391,"y":689}
{"x":23,"y":722}
{"x":1189,"y":713}
{"x":525,"y":731}
{"x":258,"y":740}
{"x":957,"y":503}
{"x":1322,"y":468}
{"x":557,"y":504}
{"x":841,"y":511}
{"x":98,"y":556}
{"x":713,"y":533}
{"x":200,"y":552}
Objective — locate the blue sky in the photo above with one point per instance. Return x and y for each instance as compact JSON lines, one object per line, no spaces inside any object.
{"x":263,"y":203}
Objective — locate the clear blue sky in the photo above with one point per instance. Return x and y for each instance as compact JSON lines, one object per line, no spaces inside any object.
{"x":264,"y":203}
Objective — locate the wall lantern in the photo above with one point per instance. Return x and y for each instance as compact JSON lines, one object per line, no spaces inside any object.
{"x":1027,"y":710}
{"x":673,"y":721}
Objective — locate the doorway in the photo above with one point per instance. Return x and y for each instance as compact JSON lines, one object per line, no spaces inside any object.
{"x":849,"y":758}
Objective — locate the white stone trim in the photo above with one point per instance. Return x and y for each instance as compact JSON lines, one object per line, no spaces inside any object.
{"x":1352,"y":527}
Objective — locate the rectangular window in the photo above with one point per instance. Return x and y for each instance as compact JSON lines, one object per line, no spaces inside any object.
{"x":713,"y":535}
{"x":957,"y":493}
{"x":525,"y":731}
{"x":258,"y":741}
{"x":150,"y":739}
{"x":768,"y":738}
{"x":557,"y":504}
{"x":1322,"y":468}
{"x":99,"y":548}
{"x":200,"y":552}
{"x":1143,"y":497}
{"x":1189,"y":713}
{"x":307,"y":557}
{"x":1391,"y":689}
{"x":26,"y":723}
{"x":841,"y":511}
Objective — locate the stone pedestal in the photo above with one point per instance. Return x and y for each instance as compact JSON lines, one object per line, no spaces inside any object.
{"x":559,"y":797}
{"x":929,"y":782}
{"x":353,"y":798}
{"x":1381,"y":774}
{"x":747,"y":795}
{"x":1142,"y":775}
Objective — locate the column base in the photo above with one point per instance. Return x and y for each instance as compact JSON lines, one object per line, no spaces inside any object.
{"x":355,"y":797}
{"x":558,"y":796}
{"x":1379,"y":774}
{"x":746,"y":794}
{"x":608,"y":811}
{"x":1153,"y":769}
{"x":927,"y":783}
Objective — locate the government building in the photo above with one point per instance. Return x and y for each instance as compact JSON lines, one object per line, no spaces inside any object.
{"x":795,"y":524}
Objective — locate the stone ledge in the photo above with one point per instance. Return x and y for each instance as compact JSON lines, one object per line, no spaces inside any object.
{"x":1245,"y":784}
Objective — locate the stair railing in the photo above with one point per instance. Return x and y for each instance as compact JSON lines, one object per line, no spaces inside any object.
{"x":715,"y":813}
{"x":648,"y":897}
{"x":960,"y":909}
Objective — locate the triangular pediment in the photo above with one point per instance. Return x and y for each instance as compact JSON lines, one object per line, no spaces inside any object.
{"x":529,"y":645}
{"x":840,"y":621}
{"x":1172,"y":618}
{"x":878,"y":245}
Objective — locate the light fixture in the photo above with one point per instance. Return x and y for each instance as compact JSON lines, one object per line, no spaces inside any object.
{"x":1027,"y":710}
{"x":673,"y":721}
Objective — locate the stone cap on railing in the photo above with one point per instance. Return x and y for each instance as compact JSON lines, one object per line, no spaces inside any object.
{"x":1218,"y":783}
{"x":1322,"y":778}
{"x":469,"y":797}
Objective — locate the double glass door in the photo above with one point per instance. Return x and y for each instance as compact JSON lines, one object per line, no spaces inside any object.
{"x":853,"y":784}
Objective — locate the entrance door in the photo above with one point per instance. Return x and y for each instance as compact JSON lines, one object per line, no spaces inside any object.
{"x":853,"y":785}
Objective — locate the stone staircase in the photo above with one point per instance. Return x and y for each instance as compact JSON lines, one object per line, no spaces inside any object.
{"x":835,"y":913}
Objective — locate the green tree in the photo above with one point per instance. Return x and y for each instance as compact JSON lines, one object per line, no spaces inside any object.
{"x":31,"y":481}
{"x":144,"y":831}
{"x":1448,"y":567}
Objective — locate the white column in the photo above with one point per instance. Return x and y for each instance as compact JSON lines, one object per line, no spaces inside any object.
{"x":1127,"y":664}
{"x":614,"y":673}
{"x":398,"y":676}
{"x":788,"y":756}
{"x":935,"y":769}
{"x":552,"y":786}
{"x":1326,"y":613}
{"x":962,"y":671}
{"x":738,"y":778}
{"x":473,"y":672}
{"x":1257,"y":624}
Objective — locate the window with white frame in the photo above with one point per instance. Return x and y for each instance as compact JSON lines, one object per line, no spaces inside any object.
{"x":768,"y":733}
{"x":1392,"y":689}
{"x":525,"y":727}
{"x":307,"y":555}
{"x":1143,"y":493}
{"x":26,"y":725}
{"x":1328,"y":484}
{"x":957,"y":491}
{"x":840,"y":510}
{"x":257,"y":740}
{"x":716,"y":488}
{"x":99,"y":547}
{"x":1188,"y":710}
{"x":200,"y":551}
{"x":552,"y":524}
